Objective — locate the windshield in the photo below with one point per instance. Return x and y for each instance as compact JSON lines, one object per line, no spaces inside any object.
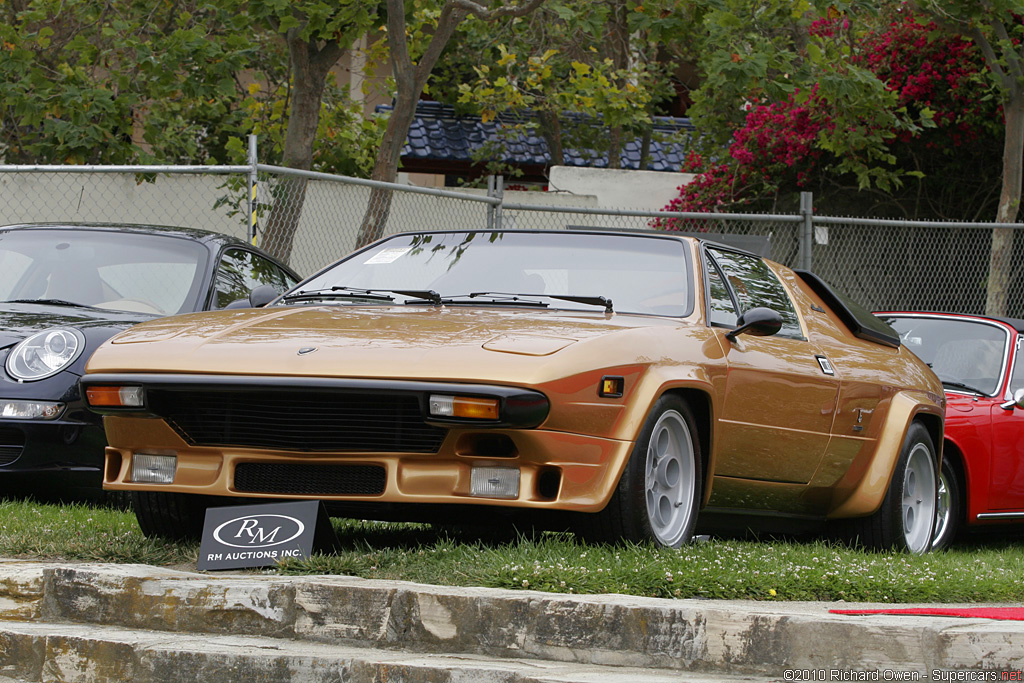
{"x":967,"y":353}
{"x":624,"y":273}
{"x":125,"y":271}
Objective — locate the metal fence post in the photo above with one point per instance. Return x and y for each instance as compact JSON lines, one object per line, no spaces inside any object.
{"x":253,"y":160}
{"x":490,"y":207}
{"x":499,"y":192}
{"x":806,"y":230}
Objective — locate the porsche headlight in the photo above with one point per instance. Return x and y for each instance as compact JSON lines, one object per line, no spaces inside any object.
{"x":44,"y":354}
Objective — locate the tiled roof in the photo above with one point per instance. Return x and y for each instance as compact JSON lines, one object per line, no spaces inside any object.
{"x":438,"y":133}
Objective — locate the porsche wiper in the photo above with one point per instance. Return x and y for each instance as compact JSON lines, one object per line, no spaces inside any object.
{"x":338,"y":293}
{"x":507,"y":297}
{"x":961,"y":385}
{"x":49,"y":302}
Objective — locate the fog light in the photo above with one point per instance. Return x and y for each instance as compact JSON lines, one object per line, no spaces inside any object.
{"x":153,"y":469}
{"x":464,"y":406}
{"x":30,"y":410}
{"x":117,"y":397}
{"x":494,"y":482}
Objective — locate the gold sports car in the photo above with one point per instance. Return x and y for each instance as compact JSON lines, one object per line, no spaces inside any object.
{"x":626,"y":382}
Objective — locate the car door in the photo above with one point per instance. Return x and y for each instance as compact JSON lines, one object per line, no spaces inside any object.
{"x":1006,"y":477}
{"x":780,"y":392}
{"x":240,"y":271}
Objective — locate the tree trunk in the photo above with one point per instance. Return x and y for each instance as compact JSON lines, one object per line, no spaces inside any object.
{"x":618,"y":45}
{"x":386,"y":169}
{"x":410,"y":79}
{"x":551,"y":131}
{"x":310,"y":66}
{"x":1000,"y":272}
{"x":615,"y":147}
{"x":645,"y":149}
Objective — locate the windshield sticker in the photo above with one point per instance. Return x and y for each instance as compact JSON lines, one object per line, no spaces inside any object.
{"x":387,"y":255}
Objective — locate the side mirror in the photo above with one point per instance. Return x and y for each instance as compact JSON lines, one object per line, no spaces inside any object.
{"x":760,"y":322}
{"x":263,"y":295}
{"x":1017,"y":402}
{"x":258,"y":298}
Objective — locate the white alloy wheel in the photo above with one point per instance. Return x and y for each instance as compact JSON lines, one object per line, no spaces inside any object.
{"x":943,"y":512}
{"x":919,"y":502}
{"x":671,"y":479}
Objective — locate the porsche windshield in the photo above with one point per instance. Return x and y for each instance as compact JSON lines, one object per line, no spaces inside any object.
{"x":116,"y":270}
{"x":966,"y":355}
{"x":644,"y":274}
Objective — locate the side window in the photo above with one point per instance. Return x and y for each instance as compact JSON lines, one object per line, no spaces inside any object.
{"x":754,"y":284}
{"x":721,"y":310}
{"x":240,"y":271}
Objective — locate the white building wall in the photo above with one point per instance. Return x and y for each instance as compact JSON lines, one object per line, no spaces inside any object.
{"x":619,"y":189}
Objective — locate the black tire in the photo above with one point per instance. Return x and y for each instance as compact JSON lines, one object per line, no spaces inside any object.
{"x":949,"y":512}
{"x":906,"y":518}
{"x":173,"y":516}
{"x":657,"y":497}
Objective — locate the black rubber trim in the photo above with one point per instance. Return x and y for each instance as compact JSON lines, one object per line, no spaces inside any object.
{"x":520,"y":408}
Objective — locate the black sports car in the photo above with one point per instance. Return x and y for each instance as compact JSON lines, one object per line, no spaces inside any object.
{"x":67,"y":288}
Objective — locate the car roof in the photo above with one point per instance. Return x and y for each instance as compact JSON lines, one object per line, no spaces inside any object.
{"x":195,"y":234}
{"x":1015,"y":323}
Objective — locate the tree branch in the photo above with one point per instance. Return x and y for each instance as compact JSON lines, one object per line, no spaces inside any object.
{"x":498,"y":13}
{"x":990,"y":55}
{"x":1013,"y":65}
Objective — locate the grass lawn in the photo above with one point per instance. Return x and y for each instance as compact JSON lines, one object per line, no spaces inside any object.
{"x":987,"y":569}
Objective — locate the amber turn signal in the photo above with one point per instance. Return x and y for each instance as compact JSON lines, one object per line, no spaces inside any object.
{"x":114,"y":396}
{"x":611,"y":387}
{"x":464,"y":406}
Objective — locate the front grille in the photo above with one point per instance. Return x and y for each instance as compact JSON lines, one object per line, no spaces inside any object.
{"x":12,"y":443}
{"x":310,"y":480}
{"x":297,"y":419}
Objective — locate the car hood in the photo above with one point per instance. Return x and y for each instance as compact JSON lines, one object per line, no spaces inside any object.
{"x":18,"y":321}
{"x":488,"y":344}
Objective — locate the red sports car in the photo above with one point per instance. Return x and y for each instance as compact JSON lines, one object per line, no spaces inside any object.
{"x":979,"y":361}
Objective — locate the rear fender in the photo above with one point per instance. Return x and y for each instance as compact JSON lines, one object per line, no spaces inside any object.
{"x":861,"y":491}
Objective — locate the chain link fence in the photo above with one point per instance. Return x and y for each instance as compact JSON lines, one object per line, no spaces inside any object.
{"x":312,"y":219}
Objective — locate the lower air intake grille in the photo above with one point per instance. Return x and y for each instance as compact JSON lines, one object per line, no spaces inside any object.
{"x":297,"y":419}
{"x":310,"y":480}
{"x":12,"y":442}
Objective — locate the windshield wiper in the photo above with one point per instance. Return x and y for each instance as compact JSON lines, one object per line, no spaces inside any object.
{"x":421,"y":295}
{"x":49,"y":302}
{"x":498,"y":298}
{"x":338,"y":293}
{"x":508,"y":297}
{"x":961,"y":385}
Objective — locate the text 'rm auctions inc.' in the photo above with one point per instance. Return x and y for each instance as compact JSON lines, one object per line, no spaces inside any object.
{"x":817,"y":675}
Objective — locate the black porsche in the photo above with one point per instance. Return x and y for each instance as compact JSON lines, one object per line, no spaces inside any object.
{"x":67,"y":288}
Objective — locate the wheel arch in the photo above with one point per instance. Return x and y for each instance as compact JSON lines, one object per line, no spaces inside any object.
{"x":933,"y":423}
{"x":702,"y":409}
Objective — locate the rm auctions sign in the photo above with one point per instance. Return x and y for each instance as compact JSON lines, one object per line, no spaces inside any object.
{"x":263,"y":535}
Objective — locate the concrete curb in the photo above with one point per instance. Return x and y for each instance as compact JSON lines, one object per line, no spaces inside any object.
{"x":721,"y":637}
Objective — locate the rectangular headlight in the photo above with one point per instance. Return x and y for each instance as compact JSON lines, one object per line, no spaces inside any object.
{"x":153,"y":469}
{"x":30,"y":410}
{"x":114,"y":396}
{"x":494,"y":482}
{"x":464,"y":406}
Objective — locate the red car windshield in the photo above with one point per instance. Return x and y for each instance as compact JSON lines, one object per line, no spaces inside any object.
{"x":959,"y":350}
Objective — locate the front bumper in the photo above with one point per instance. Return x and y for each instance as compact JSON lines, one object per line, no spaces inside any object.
{"x":69,"y":449}
{"x":557,"y":470}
